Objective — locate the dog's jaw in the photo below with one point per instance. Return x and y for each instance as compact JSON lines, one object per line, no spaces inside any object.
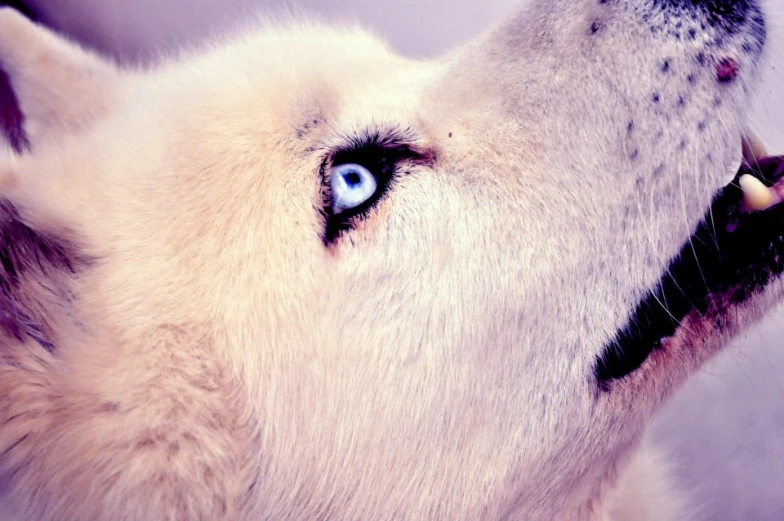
{"x":736,"y":251}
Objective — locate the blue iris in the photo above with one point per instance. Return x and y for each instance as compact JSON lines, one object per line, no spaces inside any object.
{"x":352,"y":185}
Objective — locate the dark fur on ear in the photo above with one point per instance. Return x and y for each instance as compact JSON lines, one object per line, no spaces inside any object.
{"x":34,"y":270}
{"x":11,"y":117}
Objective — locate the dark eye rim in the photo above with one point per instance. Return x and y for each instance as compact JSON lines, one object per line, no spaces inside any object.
{"x":336,"y":224}
{"x":382,"y":154}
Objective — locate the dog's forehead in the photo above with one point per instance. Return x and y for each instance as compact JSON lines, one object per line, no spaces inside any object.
{"x":327,"y":108}
{"x":326,"y":82}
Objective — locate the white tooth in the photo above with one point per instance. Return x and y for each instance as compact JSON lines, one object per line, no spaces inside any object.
{"x":756,"y":196}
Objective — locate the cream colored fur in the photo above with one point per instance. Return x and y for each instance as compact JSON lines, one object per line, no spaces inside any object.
{"x":219,"y":361}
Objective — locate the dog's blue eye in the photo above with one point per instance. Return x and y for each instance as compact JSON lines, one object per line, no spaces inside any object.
{"x":352,"y":185}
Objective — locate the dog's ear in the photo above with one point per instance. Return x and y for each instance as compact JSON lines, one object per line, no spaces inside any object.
{"x":56,"y":85}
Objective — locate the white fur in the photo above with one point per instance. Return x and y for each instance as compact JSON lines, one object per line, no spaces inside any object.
{"x":436,"y":363}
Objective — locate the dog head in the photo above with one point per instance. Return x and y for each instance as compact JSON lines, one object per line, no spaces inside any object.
{"x":441,"y":290}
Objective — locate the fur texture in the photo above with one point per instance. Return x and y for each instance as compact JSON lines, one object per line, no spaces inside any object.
{"x":204,"y":338}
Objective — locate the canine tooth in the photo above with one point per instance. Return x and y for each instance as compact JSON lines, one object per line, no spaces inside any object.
{"x":757,"y":196}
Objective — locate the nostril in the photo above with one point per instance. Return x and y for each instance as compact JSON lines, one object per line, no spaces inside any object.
{"x":727,"y":70}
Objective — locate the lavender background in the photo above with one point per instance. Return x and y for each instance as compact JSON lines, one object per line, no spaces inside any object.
{"x":726,"y":428}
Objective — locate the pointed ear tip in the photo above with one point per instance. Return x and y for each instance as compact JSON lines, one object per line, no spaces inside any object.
{"x":51,"y":84}
{"x":12,"y":19}
{"x":23,"y":39}
{"x":23,"y":6}
{"x":17,"y":30}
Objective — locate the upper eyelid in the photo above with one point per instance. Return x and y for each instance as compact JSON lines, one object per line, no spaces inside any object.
{"x":394,"y":145}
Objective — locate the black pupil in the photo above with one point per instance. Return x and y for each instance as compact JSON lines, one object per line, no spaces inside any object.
{"x":352,"y":179}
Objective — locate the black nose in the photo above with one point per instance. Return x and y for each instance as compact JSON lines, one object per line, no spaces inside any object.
{"x":727,"y":16}
{"x":727,"y":12}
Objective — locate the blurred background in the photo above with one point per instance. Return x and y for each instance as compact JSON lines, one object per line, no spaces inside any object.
{"x":726,"y":428}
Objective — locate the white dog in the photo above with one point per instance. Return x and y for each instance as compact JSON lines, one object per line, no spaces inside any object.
{"x":294,"y":276}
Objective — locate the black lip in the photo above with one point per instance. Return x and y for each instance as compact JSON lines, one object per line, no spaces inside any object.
{"x":730,"y":257}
